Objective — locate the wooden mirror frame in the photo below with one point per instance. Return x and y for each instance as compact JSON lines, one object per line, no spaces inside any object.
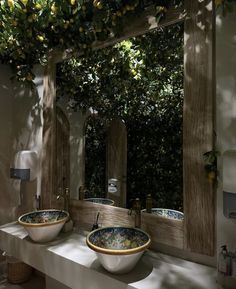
{"x":197,"y":232}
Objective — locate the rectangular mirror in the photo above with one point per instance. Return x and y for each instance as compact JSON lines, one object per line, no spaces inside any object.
{"x":123,"y":108}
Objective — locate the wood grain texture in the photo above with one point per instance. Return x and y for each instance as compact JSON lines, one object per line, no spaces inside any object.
{"x":162,"y":230}
{"x":48,"y":152}
{"x":135,"y":27}
{"x":199,"y":202}
{"x":62,"y":149}
{"x":198,"y":126}
{"x":117,"y":160}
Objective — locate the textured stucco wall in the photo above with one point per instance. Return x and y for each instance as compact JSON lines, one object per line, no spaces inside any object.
{"x":225,"y":113}
{"x":20,"y":129}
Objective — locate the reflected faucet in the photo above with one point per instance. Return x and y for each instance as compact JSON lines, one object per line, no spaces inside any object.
{"x":136,"y":208}
{"x":66,"y":196}
{"x":82,"y":192}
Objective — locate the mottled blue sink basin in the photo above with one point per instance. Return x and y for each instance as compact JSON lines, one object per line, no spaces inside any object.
{"x":44,"y":225}
{"x":118,"y":248}
{"x":167,"y":213}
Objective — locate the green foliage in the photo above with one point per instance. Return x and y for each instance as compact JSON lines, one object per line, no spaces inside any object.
{"x":139,"y":80}
{"x":95,"y":157}
{"x":29,"y":29}
{"x":210,"y":159}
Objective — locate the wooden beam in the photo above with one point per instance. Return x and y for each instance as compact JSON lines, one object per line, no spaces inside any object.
{"x":198,"y":126}
{"x":48,"y":154}
{"x":134,"y":26}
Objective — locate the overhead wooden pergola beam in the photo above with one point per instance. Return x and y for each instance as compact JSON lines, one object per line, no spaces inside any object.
{"x":134,"y":26}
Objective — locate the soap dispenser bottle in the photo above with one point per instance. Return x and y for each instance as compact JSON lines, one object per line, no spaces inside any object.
{"x":149,"y":204}
{"x":224,"y":262}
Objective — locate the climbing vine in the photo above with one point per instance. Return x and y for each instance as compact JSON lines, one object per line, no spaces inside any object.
{"x":29,"y":29}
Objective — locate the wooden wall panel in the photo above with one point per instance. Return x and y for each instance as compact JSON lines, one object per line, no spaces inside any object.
{"x":198,"y":126}
{"x":62,"y":149}
{"x":162,"y":230}
{"x":117,"y":160}
{"x":48,"y":152}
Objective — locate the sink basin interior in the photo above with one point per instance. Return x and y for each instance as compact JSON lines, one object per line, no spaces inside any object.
{"x":118,"y":248}
{"x":102,"y":201}
{"x":43,"y":225}
{"x":167,"y":213}
{"x":117,"y":239}
{"x":43,"y":217}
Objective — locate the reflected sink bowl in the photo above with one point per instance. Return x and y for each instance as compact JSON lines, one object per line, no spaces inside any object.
{"x":167,"y":213}
{"x":44,"y":225}
{"x":118,"y":248}
{"x":102,"y":201}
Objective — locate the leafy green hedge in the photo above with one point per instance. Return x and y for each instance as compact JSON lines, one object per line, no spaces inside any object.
{"x":140,"y":81}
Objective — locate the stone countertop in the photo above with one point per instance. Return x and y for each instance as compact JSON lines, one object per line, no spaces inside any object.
{"x":68,"y":260}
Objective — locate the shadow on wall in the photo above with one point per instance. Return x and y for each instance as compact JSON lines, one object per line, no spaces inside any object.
{"x":226,"y":81}
{"x":20,"y":129}
{"x":225,"y":112}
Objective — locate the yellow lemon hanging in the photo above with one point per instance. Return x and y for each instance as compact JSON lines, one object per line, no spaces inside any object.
{"x":24,"y":2}
{"x":10,"y":3}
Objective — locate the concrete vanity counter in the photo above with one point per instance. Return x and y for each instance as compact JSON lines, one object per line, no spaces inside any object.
{"x":69,"y":261}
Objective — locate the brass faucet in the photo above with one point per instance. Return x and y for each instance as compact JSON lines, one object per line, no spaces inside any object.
{"x":137,"y":212}
{"x":66,"y":196}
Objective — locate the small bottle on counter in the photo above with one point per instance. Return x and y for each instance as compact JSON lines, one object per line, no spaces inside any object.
{"x":149,"y":203}
{"x":224,"y":262}
{"x":233,"y":263}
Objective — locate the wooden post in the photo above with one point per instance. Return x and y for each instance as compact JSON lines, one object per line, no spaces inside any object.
{"x":117,"y":160}
{"x":198,"y":126}
{"x":48,"y":154}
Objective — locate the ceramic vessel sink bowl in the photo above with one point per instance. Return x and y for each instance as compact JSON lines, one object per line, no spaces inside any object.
{"x":167,"y":213}
{"x":118,"y":248}
{"x":44,"y":225}
{"x":102,"y":201}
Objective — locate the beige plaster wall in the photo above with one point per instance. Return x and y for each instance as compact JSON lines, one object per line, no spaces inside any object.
{"x":225,"y":114}
{"x":20,"y":129}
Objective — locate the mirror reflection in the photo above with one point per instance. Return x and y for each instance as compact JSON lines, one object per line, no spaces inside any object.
{"x":124,"y":105}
